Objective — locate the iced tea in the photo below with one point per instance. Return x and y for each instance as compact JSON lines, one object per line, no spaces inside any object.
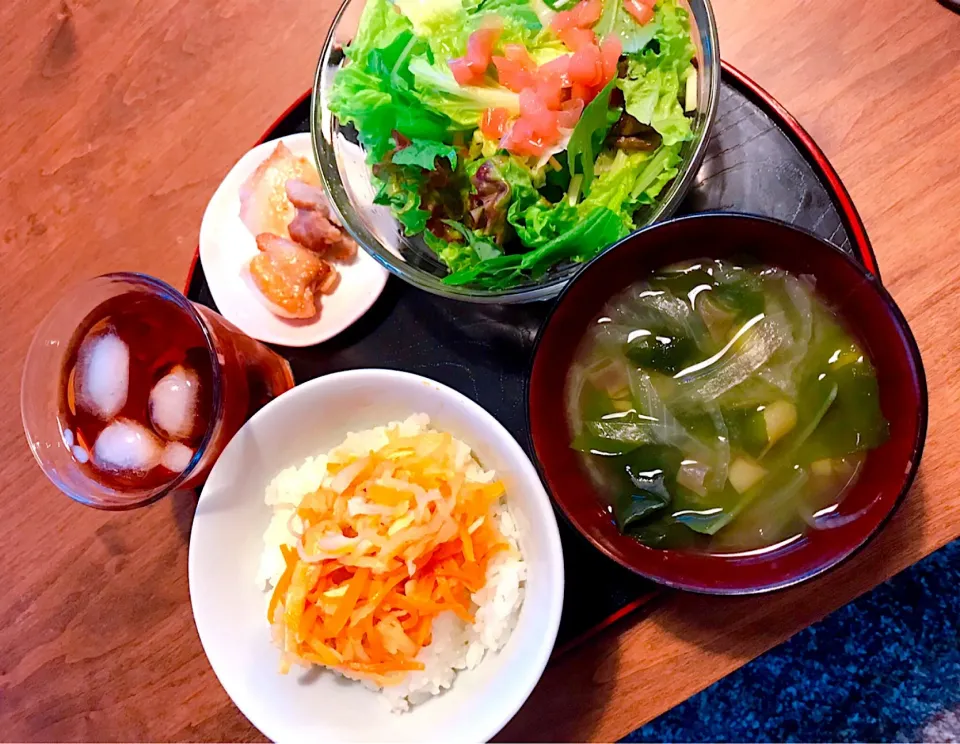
{"x":138,"y":392}
{"x":149,"y":390}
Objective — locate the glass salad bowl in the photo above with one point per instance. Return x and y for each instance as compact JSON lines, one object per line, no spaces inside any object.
{"x":352,"y":188}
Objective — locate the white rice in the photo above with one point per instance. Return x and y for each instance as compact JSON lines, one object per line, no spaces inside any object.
{"x":456,"y":645}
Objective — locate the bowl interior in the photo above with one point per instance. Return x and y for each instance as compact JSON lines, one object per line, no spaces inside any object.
{"x":226,"y":541}
{"x":348,"y":178}
{"x":869,"y":314}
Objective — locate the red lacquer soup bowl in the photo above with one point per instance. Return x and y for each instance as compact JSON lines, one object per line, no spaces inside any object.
{"x":869,"y":314}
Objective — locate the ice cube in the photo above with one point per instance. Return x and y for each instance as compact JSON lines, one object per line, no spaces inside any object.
{"x":173,"y":403}
{"x":103,"y":375}
{"x":127,"y":446}
{"x":81,"y":454}
{"x":176,"y":457}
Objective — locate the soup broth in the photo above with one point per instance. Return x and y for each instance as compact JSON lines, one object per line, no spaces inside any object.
{"x":721,"y":406}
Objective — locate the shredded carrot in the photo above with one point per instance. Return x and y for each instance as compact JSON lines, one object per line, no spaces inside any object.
{"x":385,"y":667}
{"x":308,"y":620}
{"x":422,"y":635}
{"x":289,"y":555}
{"x":414,"y":604}
{"x":467,"y":544}
{"x":345,"y":606}
{"x":395,"y":537}
{"x":452,"y":602}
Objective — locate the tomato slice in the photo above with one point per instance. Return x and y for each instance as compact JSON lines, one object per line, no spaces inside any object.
{"x":546,"y":126}
{"x":550,"y":90}
{"x":610,"y":51}
{"x":480,"y":48}
{"x":640,"y":11}
{"x":463,"y":72}
{"x":512,"y":74}
{"x":583,"y":92}
{"x":586,"y":67}
{"x":518,"y":53}
{"x":588,"y":12}
{"x":522,"y":140}
{"x":570,"y":112}
{"x":563,"y":21}
{"x":531,"y":104}
{"x":583,"y":15}
{"x":577,"y":38}
{"x":559,"y":68}
{"x":493,"y":123}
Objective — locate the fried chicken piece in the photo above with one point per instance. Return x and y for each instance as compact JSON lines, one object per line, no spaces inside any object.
{"x":264,"y":206}
{"x":314,"y":226}
{"x":288,"y":276}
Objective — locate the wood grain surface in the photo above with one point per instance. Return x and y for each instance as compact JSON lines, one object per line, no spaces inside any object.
{"x":118,"y":120}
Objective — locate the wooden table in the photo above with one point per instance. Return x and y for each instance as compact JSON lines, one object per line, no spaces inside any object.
{"x":118,"y":121}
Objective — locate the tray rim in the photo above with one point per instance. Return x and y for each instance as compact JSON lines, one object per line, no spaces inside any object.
{"x":801,"y":139}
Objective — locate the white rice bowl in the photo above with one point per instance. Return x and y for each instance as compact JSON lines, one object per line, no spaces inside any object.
{"x":229,"y":607}
{"x":456,"y":645}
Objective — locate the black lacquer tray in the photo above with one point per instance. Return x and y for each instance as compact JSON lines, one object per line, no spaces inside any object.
{"x":758,"y":160}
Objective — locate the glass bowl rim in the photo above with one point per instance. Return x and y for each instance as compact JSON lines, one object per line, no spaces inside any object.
{"x":323,"y":152}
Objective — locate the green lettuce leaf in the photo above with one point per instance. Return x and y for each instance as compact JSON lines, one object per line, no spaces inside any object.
{"x":461,"y":256}
{"x":494,"y":273}
{"x":436,"y":89}
{"x":484,"y":248}
{"x":457,"y":256}
{"x":447,"y":24}
{"x":519,"y":11}
{"x":532,"y":217}
{"x":652,"y":96}
{"x":662,"y":168}
{"x":374,"y":91}
{"x":655,"y":77}
{"x":542,"y":222}
{"x":617,"y":22}
{"x":615,"y":180}
{"x":592,"y":233}
{"x":379,"y":25}
{"x":672,"y":35}
{"x":581,"y":243}
{"x":627,"y":181}
{"x":589,"y":134}
{"x":401,"y":192}
{"x":443,"y":23}
{"x":424,"y":154}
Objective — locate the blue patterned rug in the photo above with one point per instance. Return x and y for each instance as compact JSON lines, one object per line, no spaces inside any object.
{"x":883,"y":668}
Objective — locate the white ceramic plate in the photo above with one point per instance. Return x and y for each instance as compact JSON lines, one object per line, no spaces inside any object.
{"x":230,"y":609}
{"x":226,"y":247}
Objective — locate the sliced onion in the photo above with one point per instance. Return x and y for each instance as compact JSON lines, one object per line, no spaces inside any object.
{"x":297,"y":533}
{"x":307,"y":557}
{"x":357,"y":505}
{"x":729,"y":368}
{"x":721,"y":463}
{"x":692,"y":475}
{"x":342,"y":480}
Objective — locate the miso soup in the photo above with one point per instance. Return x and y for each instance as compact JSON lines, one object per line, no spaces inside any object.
{"x":721,"y":406}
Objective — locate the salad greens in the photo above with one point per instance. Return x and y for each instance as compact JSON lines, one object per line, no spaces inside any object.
{"x":508,"y":152}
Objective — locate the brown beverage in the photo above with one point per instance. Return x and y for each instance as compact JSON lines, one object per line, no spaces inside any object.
{"x":149,"y":389}
{"x":138,"y":392}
